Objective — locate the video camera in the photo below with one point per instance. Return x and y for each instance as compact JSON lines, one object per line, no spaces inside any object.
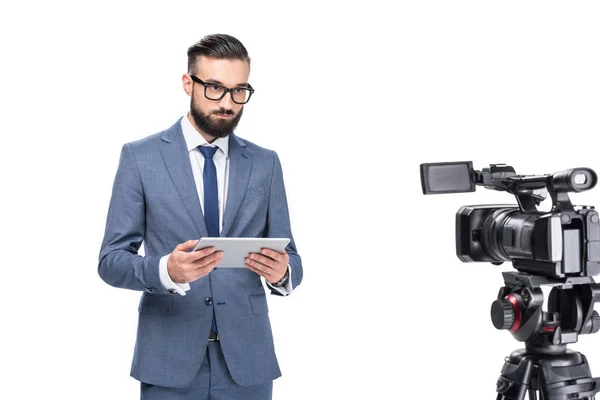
{"x":564,"y":242}
{"x":559,"y":248}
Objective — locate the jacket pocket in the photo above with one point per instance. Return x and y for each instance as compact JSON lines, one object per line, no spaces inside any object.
{"x":259,"y":303}
{"x":160,"y":305}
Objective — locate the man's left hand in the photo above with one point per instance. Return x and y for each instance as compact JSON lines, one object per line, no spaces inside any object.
{"x":269,"y":264}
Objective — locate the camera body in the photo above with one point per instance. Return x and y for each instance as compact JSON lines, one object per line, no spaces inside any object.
{"x":563,"y":242}
{"x":555,"y":244}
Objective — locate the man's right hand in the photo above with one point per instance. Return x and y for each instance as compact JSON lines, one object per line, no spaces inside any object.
{"x":185,"y":267}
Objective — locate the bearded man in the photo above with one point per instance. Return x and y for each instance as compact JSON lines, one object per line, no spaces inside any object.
{"x":203,"y":332}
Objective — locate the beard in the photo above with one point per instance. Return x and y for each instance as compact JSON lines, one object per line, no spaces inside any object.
{"x":211,"y":127}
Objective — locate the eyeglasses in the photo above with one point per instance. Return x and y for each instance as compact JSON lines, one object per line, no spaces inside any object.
{"x":214,"y":91}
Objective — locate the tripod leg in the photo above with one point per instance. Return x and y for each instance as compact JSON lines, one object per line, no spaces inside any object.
{"x":532,"y":394}
{"x":514,"y":380}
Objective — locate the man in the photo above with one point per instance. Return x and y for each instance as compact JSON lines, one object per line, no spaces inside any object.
{"x":203,"y":331}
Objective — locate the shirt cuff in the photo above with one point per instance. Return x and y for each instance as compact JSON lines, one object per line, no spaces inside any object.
{"x":166,"y":280}
{"x":287,"y":289}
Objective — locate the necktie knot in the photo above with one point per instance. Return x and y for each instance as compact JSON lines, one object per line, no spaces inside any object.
{"x":207,"y":152}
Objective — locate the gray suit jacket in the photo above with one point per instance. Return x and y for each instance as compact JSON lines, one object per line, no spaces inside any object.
{"x":154,"y":201}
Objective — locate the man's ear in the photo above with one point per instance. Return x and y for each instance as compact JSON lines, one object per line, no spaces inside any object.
{"x":188,"y":84}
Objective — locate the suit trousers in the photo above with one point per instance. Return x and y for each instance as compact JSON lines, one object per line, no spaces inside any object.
{"x":212,"y":382}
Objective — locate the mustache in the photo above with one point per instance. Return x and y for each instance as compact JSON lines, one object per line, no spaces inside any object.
{"x":223,"y":111}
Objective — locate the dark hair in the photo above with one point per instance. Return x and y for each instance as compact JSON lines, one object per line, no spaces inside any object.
{"x":216,"y":46}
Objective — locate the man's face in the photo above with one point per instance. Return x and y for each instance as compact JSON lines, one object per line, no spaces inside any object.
{"x":216,"y":118}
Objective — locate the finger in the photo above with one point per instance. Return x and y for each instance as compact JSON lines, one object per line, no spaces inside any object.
{"x":267,"y":269}
{"x":208,"y":264}
{"x":259,"y":271}
{"x":185,"y":246}
{"x":204,"y":261}
{"x":198,"y":254}
{"x":271,"y":253}
{"x":201,"y":272}
{"x":269,"y":262}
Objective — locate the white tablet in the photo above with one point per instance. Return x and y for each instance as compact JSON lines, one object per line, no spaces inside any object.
{"x":236,"y":249}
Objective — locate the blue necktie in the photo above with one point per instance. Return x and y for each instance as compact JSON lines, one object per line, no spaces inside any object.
{"x":211,"y":191}
{"x":211,"y":200}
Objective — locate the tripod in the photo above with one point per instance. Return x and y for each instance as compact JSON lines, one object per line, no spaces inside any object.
{"x":554,"y":373}
{"x":545,"y":367}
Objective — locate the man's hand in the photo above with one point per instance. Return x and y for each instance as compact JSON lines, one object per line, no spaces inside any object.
{"x":184,"y":267}
{"x":269,"y":264}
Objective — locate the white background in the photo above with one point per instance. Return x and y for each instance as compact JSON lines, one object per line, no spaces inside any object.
{"x":353,"y":97}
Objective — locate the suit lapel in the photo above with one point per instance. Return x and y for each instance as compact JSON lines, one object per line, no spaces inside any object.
{"x":177,"y":160}
{"x":240,"y":162}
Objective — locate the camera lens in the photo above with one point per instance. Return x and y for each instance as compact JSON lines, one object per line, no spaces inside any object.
{"x":507,"y":233}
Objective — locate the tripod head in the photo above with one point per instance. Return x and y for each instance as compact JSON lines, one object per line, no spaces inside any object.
{"x":570,"y":311}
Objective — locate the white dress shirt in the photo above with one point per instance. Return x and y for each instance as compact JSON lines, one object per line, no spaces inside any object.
{"x":194,"y":139}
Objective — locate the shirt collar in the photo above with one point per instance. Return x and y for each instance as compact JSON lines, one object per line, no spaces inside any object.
{"x":193,"y":138}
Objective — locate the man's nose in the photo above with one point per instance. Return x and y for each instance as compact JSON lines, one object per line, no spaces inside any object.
{"x":226,"y":102}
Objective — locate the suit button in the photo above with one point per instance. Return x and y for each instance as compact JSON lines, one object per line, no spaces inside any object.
{"x":208,"y":301}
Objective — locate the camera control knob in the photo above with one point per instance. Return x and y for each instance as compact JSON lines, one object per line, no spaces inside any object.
{"x":595,"y":322}
{"x":503,"y":314}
